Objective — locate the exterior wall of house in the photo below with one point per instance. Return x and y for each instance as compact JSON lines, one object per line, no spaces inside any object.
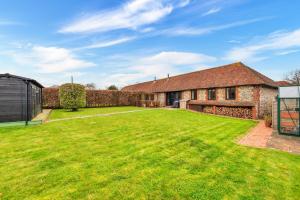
{"x":201,"y":94}
{"x":186,"y":95}
{"x":245,"y":93}
{"x":261,"y":97}
{"x":220,"y":94}
{"x":267,"y":96}
{"x":161,"y":98}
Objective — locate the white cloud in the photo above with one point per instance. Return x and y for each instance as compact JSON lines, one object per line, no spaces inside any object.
{"x":211,"y":11}
{"x":273,"y":42}
{"x":283,"y":53}
{"x":234,"y":41}
{"x":201,"y":31}
{"x":183,"y":3}
{"x":143,"y":68}
{"x":109,"y":43}
{"x":4,"y":22}
{"x":161,"y":64}
{"x":49,"y":59}
{"x":131,"y":15}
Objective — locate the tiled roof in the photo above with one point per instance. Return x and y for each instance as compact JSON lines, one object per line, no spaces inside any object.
{"x":235,"y":74}
{"x":282,"y":83}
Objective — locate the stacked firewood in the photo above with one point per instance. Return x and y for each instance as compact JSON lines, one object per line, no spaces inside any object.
{"x":241,"y":112}
{"x":208,"y":109}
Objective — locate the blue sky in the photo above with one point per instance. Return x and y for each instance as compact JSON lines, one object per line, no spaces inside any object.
{"x":124,"y":42}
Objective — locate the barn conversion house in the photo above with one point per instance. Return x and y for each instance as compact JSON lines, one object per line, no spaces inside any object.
{"x":20,"y":98}
{"x":234,"y":90}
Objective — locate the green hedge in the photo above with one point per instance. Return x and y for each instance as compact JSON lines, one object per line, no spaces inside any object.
{"x":72,"y":96}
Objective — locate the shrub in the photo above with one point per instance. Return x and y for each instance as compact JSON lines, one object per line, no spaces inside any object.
{"x":72,"y":96}
{"x":112,"y":87}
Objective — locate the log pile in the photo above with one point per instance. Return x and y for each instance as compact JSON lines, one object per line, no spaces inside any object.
{"x":240,"y":112}
{"x":208,"y":109}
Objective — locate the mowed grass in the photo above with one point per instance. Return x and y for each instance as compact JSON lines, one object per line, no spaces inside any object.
{"x":153,"y":154}
{"x":63,"y":113}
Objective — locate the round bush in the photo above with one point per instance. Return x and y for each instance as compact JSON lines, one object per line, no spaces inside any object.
{"x":72,"y":96}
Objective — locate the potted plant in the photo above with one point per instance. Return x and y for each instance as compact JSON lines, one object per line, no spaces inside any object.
{"x":268,"y":120}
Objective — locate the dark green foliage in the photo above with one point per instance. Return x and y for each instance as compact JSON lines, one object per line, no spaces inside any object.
{"x":72,"y":96}
{"x":112,"y":87}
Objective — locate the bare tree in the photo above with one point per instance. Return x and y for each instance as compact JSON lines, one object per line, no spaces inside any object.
{"x":90,"y":86}
{"x":293,"y":77}
{"x":112,"y":87}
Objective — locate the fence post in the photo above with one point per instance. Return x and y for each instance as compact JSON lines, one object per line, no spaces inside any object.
{"x":278,"y":115}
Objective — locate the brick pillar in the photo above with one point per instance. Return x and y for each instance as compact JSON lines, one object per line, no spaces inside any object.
{"x":256,"y":99}
{"x":254,"y":113}
{"x":214,"y":109}
{"x":274,"y":114}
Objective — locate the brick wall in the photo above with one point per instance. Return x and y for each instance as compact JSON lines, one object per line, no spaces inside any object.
{"x":274,"y":115}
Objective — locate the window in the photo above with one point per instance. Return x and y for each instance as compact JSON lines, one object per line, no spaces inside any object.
{"x":193,"y":94}
{"x":230,"y":93}
{"x":211,"y":94}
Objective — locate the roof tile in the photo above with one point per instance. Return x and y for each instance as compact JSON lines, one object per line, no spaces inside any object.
{"x":224,"y":76}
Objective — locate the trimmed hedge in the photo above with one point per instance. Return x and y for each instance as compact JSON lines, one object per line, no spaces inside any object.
{"x":95,"y":98}
{"x":72,"y":96}
{"x":51,"y":98}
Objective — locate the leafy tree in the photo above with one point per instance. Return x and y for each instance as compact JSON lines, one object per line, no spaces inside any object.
{"x":90,"y":86}
{"x":72,"y":96}
{"x":293,"y":77}
{"x":112,"y":87}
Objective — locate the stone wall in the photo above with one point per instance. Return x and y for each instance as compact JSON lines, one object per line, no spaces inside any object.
{"x":201,"y":94}
{"x":161,"y":98}
{"x":186,"y":95}
{"x":267,"y":96}
{"x":261,"y":97}
{"x":220,"y":94}
{"x":245,"y":93}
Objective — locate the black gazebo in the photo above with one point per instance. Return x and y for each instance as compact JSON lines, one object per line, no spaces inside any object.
{"x":20,"y":98}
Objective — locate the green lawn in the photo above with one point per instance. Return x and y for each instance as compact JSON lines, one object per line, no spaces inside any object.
{"x":153,"y":154}
{"x":62,"y":113}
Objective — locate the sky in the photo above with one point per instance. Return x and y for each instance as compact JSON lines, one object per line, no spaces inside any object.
{"x":124,"y":42}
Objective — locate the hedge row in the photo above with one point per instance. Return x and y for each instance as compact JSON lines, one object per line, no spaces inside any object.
{"x":94,"y":98}
{"x":51,"y":98}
